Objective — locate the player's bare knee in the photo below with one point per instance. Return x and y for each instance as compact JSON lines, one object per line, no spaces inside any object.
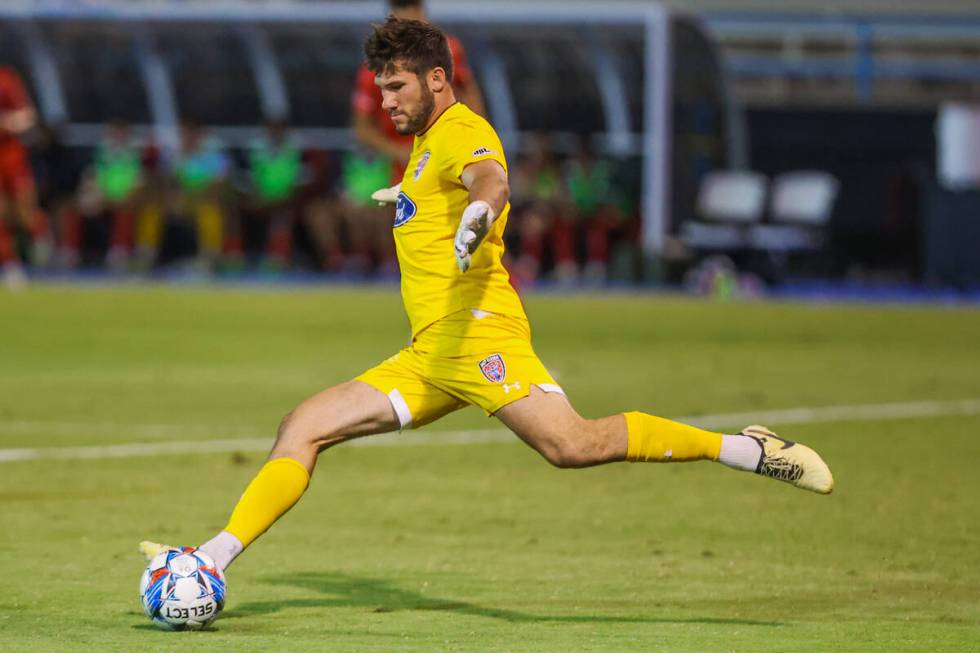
{"x":565,"y":451}
{"x":297,"y":431}
{"x":284,"y":425}
{"x":287,"y":435}
{"x":565,"y":458}
{"x":574,"y":447}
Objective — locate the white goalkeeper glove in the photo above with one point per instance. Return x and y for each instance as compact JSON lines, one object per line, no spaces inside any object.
{"x":473,"y":228}
{"x":386,"y":195}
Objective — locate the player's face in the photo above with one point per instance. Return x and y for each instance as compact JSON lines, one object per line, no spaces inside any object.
{"x":407,"y":99}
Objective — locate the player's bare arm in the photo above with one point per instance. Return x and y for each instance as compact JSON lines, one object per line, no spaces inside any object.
{"x":489,"y":193}
{"x":487,"y":181}
{"x":18,"y":121}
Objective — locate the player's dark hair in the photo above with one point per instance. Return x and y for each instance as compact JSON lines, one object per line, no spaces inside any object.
{"x":418,"y":47}
{"x":404,"y":4}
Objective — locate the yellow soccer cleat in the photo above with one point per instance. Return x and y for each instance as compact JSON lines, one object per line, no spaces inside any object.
{"x":789,"y":461}
{"x":152,"y":549}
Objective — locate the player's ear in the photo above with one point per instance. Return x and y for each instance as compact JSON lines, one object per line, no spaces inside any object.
{"x":437,"y":79}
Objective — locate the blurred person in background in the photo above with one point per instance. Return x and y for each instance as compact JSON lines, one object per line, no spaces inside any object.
{"x":19,"y":211}
{"x":322,"y":210}
{"x":376,"y":132}
{"x":597,"y":206}
{"x":275,"y":164}
{"x":153,"y":205}
{"x":544,"y":229}
{"x":117,"y":176}
{"x":201,"y":175}
{"x":57,"y":173}
{"x":368,"y":225}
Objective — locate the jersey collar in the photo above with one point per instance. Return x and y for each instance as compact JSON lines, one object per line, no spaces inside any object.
{"x":438,"y":118}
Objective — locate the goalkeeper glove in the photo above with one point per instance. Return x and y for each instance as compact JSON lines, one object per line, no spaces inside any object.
{"x":386,"y":195}
{"x":473,"y":228}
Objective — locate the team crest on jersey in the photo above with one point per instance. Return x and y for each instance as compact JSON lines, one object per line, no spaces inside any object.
{"x":483,"y":151}
{"x":421,"y":165}
{"x":405,"y":209}
{"x":493,"y":368}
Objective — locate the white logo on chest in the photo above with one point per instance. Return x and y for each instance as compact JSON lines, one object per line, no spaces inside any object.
{"x":511,"y":386}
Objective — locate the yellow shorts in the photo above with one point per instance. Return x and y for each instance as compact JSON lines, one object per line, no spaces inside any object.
{"x":469,"y":357}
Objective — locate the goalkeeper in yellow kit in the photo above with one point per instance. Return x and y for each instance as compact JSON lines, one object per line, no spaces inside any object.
{"x":471,"y":342}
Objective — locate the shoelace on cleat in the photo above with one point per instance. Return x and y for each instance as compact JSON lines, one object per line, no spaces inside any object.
{"x":780,"y":469}
{"x":776,"y":467}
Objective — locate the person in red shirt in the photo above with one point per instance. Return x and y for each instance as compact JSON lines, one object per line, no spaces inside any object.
{"x":18,"y":196}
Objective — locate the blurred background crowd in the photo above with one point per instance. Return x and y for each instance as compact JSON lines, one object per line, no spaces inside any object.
{"x":211,"y":138}
{"x":278,"y":205}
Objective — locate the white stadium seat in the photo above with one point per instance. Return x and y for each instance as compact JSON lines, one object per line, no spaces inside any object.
{"x":728,"y":203}
{"x":803,"y":197}
{"x":800,"y":206}
{"x":732,"y":196}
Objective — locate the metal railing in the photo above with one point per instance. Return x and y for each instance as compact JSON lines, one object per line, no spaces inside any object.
{"x":865,"y":50}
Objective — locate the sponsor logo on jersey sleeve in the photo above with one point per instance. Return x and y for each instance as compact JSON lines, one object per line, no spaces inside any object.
{"x":405,"y":209}
{"x":483,"y":151}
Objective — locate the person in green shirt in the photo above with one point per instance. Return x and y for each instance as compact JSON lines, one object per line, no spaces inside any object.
{"x":540,"y":208}
{"x":599,"y":206}
{"x":276,"y":174}
{"x":368,"y":225}
{"x":113,"y":187}
{"x":200,"y":177}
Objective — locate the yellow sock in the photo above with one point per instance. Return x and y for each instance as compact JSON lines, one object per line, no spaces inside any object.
{"x":209,"y":228}
{"x":662,"y":440}
{"x":274,"y":490}
{"x":149,"y":227}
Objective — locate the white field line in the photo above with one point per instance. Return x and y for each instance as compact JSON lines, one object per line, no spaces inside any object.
{"x":857,"y":413}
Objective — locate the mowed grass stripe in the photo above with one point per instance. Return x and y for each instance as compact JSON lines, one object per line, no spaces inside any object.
{"x":855,"y":413}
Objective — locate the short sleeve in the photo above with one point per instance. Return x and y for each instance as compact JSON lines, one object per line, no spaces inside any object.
{"x":365,"y":99}
{"x":473,"y":142}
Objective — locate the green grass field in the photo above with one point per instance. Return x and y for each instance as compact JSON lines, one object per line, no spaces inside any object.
{"x":484,"y":547}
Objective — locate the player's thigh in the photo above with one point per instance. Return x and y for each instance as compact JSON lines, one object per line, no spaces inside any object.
{"x":343,"y":412}
{"x":549,"y":423}
{"x":415,"y":397}
{"x":544,"y":420}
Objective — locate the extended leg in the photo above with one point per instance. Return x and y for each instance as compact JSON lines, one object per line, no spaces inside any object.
{"x":549,"y":424}
{"x":341,"y":413}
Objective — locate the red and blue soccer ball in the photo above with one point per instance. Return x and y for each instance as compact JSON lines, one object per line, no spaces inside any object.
{"x":182,"y":589}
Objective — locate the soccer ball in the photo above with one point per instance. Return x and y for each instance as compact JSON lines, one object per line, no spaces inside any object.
{"x":182,"y":589}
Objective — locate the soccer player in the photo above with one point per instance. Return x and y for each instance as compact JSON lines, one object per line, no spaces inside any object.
{"x":471,"y":340}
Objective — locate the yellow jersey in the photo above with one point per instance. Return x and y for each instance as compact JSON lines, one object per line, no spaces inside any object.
{"x":427,"y":213}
